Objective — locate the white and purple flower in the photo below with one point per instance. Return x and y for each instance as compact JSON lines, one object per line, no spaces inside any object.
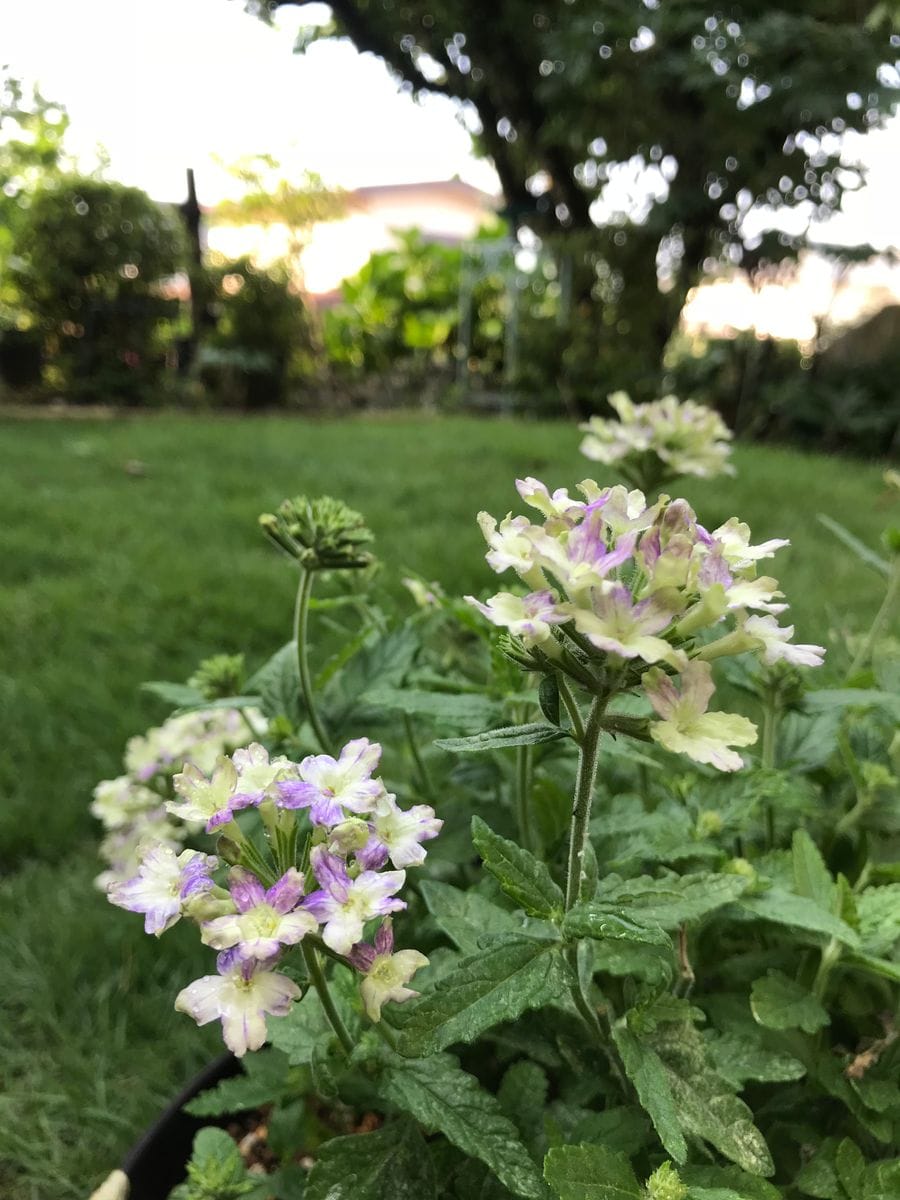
{"x":398,"y":835}
{"x":386,"y":973}
{"x":528,"y":617}
{"x":265,"y":920}
{"x":241,"y":996}
{"x":203,"y":799}
{"x":343,"y":905}
{"x":327,"y":785}
{"x":164,"y":883}
{"x":686,"y":727}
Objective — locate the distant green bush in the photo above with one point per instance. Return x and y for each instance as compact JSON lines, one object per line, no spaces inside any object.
{"x":88,"y":260}
{"x":262,"y":338}
{"x":768,"y":390}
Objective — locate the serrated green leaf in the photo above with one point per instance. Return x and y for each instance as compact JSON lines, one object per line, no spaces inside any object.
{"x":738,"y":1059}
{"x":850,"y":1166}
{"x":607,"y":922}
{"x":624,"y":1127}
{"x":262,"y":1080}
{"x":298,"y":1033}
{"x":465,"y":916}
{"x":671,"y":901}
{"x":392,"y":1161}
{"x":781,"y":1003}
{"x":798,"y":912}
{"x":590,"y":1173}
{"x":726,"y":1183}
{"x":811,"y":877}
{"x":507,"y":978}
{"x":445,"y":1099}
{"x":524,"y":878}
{"x":878,"y":909}
{"x":216,"y":1170}
{"x":652,"y":964}
{"x":831,"y":698}
{"x":707,"y":1106}
{"x":502,"y":739}
{"x":522,"y":1096}
{"x":645,"y":1069}
{"x":464,"y":711}
{"x":818,"y":1177}
{"x":278,"y":684}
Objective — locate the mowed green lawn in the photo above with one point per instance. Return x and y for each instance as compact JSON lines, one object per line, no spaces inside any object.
{"x":128,"y":551}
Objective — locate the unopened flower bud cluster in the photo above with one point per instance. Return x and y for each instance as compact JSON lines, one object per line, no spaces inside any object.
{"x":357,"y":830}
{"x":646,"y":592}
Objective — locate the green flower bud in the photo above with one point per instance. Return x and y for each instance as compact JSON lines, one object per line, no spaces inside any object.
{"x":219,"y":676}
{"x":740,"y":866}
{"x":348,"y":837}
{"x":322,"y":534}
{"x":709,"y":823}
{"x":665,"y":1184}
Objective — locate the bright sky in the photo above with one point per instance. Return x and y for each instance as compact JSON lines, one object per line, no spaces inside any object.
{"x":165,"y":84}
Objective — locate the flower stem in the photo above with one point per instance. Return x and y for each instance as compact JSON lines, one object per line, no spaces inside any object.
{"x":571,"y":706}
{"x":581,"y":805}
{"x":301,"y":614}
{"x":523,"y":796}
{"x":770,"y":726}
{"x":891,"y":595}
{"x":422,"y":771}
{"x":320,"y":983}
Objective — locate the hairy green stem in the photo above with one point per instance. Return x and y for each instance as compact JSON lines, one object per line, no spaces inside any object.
{"x":890,"y":598}
{"x":424,"y":780}
{"x":523,"y":796}
{"x":581,"y":804}
{"x":301,"y":615}
{"x":320,"y":983}
{"x":770,"y":726}
{"x":571,"y":706}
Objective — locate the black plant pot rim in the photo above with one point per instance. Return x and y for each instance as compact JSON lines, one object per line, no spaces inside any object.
{"x":157,"y":1161}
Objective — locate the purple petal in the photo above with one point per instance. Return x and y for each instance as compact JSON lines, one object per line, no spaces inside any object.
{"x":222,"y":817}
{"x":384,"y":939}
{"x":294,"y":793}
{"x":246,"y":800}
{"x":195,"y":877}
{"x":373,"y":855}
{"x":325,"y":810}
{"x":284,"y":895}
{"x":321,"y":904}
{"x":362,"y":957}
{"x":331,"y":873}
{"x":246,"y":890}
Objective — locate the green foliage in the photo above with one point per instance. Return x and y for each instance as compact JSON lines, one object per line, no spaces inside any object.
{"x":443,"y":1098}
{"x":550,"y":1068}
{"x":590,"y":1173}
{"x":665,"y":124}
{"x":779,"y":1002}
{"x":522,"y":877}
{"x":261,"y":339}
{"x":89,"y":260}
{"x":216,"y":1170}
{"x":510,"y":974}
{"x":392,"y":1161}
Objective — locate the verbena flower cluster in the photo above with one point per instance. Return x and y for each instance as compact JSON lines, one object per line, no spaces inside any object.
{"x":132,"y":807}
{"x":355,"y":829}
{"x":684,"y":437}
{"x":643,"y":587}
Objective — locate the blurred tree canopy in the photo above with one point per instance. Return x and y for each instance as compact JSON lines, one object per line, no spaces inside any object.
{"x":654,"y":130}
